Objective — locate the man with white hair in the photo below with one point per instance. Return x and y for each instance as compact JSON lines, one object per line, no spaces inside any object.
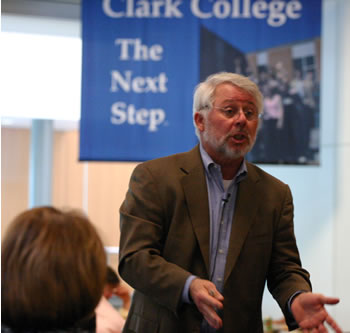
{"x":202,"y":231}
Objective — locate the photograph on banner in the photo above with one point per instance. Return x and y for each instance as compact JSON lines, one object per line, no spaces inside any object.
{"x":143,"y":59}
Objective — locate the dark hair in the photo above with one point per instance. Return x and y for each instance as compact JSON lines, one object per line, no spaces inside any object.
{"x":112,"y":277}
{"x":53,"y":269}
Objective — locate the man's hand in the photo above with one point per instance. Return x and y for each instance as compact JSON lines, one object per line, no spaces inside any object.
{"x":124,"y":293}
{"x":208,"y":300}
{"x":309,"y":312}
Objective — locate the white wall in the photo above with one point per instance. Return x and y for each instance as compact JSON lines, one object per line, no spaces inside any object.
{"x":342,"y":176}
{"x":321,"y":194}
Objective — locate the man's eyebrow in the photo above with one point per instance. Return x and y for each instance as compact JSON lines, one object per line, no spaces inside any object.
{"x":230,"y":100}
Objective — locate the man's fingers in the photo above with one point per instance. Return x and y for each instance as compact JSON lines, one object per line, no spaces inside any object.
{"x":215,"y":294}
{"x":331,"y":300}
{"x":215,"y":300}
{"x":310,"y":327}
{"x":215,"y":323}
{"x":208,"y":300}
{"x":211,"y":317}
{"x":330,"y":321}
{"x":322,"y":329}
{"x":212,"y":304}
{"x":205,"y":291}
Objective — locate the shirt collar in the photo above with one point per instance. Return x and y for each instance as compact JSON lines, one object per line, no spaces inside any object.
{"x":208,"y":162}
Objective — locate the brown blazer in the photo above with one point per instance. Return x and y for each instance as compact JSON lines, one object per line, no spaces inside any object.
{"x":164,"y":223}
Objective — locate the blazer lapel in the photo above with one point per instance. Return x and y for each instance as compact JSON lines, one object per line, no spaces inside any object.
{"x":245,"y":211}
{"x":196,"y":194}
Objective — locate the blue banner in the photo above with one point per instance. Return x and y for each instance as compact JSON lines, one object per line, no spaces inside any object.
{"x":142,"y":60}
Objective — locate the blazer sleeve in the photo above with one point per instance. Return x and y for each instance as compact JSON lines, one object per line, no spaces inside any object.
{"x":286,"y":275}
{"x":143,"y":233}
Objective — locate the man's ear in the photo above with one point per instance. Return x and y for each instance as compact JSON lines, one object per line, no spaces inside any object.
{"x":199,"y":120}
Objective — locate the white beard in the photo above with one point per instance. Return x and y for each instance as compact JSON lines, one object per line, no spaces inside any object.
{"x":221,"y":146}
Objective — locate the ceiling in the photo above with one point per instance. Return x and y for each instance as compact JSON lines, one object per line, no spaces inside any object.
{"x":69,"y":9}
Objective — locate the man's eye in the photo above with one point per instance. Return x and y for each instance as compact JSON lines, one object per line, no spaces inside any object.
{"x":230,"y":111}
{"x":249,"y":113}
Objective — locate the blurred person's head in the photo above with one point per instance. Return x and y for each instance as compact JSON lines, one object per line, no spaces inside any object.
{"x":53,"y":269}
{"x":112,"y":282}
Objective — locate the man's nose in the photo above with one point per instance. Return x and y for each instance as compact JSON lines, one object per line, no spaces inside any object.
{"x":240,"y":116}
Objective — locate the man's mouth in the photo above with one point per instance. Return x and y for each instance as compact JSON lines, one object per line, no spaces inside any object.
{"x":238,"y":138}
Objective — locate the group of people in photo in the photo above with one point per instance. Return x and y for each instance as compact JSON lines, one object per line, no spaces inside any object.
{"x":290,"y":125}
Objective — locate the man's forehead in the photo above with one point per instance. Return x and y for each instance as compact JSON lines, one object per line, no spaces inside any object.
{"x":238,"y":100}
{"x":229,"y":92}
{"x":229,"y":89}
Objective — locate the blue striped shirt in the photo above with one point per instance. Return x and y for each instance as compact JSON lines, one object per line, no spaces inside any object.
{"x":221,"y":209}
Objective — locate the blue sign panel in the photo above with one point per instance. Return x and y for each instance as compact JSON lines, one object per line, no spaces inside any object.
{"x":142,"y":60}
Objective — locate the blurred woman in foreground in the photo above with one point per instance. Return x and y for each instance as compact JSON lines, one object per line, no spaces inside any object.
{"x":53,"y":268}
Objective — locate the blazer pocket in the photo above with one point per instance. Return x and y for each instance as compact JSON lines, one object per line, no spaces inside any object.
{"x":141,"y":325}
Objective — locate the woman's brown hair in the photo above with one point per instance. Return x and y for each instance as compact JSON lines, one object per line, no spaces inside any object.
{"x":53,"y":269}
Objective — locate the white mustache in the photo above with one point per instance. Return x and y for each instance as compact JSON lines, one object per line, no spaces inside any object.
{"x":244,"y":133}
